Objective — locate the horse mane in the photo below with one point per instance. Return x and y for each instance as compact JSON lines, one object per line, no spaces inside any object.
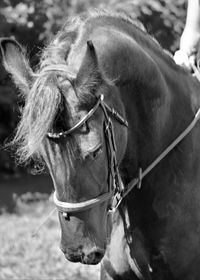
{"x":95,"y":13}
{"x":60,"y":47}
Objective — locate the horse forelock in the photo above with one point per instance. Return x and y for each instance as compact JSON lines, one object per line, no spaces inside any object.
{"x":38,"y":114}
{"x":41,"y":108}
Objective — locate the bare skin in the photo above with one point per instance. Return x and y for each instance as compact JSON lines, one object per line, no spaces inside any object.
{"x":190,"y":38}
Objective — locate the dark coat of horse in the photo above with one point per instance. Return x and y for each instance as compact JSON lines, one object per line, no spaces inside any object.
{"x":155,"y":233}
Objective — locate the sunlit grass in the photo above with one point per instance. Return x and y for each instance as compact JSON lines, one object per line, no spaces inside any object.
{"x":25,"y":257}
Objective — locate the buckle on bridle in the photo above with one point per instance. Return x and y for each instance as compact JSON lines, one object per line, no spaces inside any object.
{"x":115,"y":202}
{"x":66,"y":216}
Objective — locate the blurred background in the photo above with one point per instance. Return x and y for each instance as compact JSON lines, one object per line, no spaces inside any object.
{"x":25,"y":198}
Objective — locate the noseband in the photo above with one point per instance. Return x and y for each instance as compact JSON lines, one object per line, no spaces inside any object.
{"x":116,"y":190}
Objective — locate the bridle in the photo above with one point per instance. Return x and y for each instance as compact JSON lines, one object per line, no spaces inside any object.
{"x":116,"y":190}
{"x":115,"y":185}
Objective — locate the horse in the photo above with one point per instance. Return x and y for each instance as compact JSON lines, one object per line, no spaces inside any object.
{"x":115,"y":121}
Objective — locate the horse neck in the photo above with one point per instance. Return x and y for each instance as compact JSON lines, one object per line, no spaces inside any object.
{"x":159,"y":102}
{"x":161,"y":107}
{"x":148,"y":106}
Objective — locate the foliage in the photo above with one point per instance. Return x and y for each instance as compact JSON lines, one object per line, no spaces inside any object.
{"x":33,"y":24}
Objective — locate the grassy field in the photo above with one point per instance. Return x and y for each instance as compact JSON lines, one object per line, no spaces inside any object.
{"x":23,"y":257}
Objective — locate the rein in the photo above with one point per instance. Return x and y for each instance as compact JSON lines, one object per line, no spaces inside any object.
{"x":117,"y":191}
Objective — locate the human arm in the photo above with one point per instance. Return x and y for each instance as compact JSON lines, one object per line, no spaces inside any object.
{"x":190,"y":38}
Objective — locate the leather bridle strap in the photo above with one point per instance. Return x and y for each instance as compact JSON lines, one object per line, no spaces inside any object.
{"x":76,"y":126}
{"x":81,"y":206}
{"x":111,"y":111}
{"x":196,"y":71}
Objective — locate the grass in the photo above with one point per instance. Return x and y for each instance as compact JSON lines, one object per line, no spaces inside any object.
{"x":23,"y":257}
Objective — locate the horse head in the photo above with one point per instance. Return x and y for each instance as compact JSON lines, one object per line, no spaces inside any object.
{"x":57,"y":98}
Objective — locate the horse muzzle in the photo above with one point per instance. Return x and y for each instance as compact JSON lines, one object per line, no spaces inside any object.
{"x":92,"y":257}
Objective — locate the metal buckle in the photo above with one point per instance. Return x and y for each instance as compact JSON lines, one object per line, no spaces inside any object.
{"x":116,"y":200}
{"x":66,"y":216}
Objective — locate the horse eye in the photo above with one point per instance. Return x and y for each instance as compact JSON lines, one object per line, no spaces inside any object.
{"x":84,"y":129}
{"x":97,"y":152}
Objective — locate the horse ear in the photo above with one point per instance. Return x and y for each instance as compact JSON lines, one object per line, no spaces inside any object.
{"x":15,"y":62}
{"x":89,"y":72}
{"x":91,"y":53}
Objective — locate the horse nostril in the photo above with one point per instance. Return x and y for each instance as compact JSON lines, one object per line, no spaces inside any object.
{"x":94,"y":257}
{"x":98,"y":256}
